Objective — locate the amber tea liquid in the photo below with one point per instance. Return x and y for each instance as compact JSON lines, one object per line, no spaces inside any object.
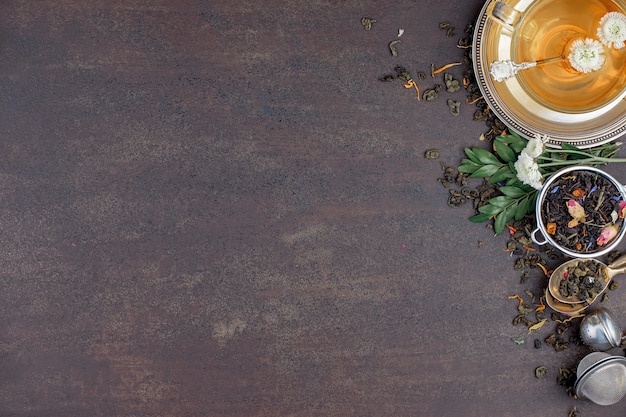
{"x":544,"y":31}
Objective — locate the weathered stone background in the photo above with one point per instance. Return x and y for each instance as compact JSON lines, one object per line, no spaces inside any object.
{"x":216,"y":209}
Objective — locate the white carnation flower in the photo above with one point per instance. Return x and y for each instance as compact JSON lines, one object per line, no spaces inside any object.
{"x":534,"y":147}
{"x":528,"y":171}
{"x":586,"y":55}
{"x":612,"y":30}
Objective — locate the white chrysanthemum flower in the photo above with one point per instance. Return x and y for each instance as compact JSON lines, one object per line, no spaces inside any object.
{"x":586,"y":55}
{"x":534,"y":147}
{"x":528,"y":171}
{"x":612,"y":30}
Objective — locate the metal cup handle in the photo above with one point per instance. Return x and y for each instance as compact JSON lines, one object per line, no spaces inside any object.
{"x":533,"y":236}
{"x":504,"y":14}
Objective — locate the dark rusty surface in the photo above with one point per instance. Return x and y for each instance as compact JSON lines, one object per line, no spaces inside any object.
{"x":218,"y":210}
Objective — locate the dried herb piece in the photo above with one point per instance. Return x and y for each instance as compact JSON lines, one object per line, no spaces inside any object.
{"x":387,"y":77}
{"x":573,"y":412}
{"x":613,"y":285}
{"x":537,"y":325}
{"x":456,"y":199}
{"x":452,"y":85}
{"x":454,"y":106}
{"x":541,"y":371}
{"x":430,"y":95}
{"x":556,"y":342}
{"x":448,"y":28}
{"x":567,"y":378}
{"x":518,"y":340}
{"x":392,"y":47}
{"x":402,"y":73}
{"x":367,"y":22}
{"x":434,"y":71}
{"x":413,"y":84}
{"x":537,"y":344}
{"x":431,"y":154}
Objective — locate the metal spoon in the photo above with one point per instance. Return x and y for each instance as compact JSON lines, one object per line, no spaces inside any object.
{"x":564,"y":308}
{"x":502,"y":70}
{"x":615,"y":268}
{"x":600,"y":332}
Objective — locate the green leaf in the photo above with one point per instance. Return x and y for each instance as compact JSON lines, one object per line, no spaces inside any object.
{"x":486,"y":157}
{"x":532,"y":201}
{"x":472,"y":156}
{"x":518,"y":147}
{"x":485,"y":171}
{"x":511,"y":191}
{"x":502,"y":174}
{"x":479,"y":218}
{"x":503,"y":217}
{"x":489,"y":209}
{"x":511,"y":137}
{"x":504,"y":152}
{"x":498,"y":223}
{"x":500,"y":201}
{"x":468,"y":167}
{"x":522,"y":208}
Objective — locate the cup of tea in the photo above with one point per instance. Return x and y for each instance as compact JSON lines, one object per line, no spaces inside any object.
{"x":506,"y":15}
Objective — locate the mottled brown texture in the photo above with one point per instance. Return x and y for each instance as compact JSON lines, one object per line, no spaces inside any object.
{"x":216,"y":209}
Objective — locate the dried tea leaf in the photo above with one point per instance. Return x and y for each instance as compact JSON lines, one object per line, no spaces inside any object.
{"x":454,"y":106}
{"x":518,"y":340}
{"x":525,"y":309}
{"x":541,"y":371}
{"x":537,"y":326}
{"x":392,"y":47}
{"x":367,"y":22}
{"x":431,"y":154}
{"x":430,"y":95}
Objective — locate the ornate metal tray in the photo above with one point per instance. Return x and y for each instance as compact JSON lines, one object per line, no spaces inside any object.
{"x":601,"y":118}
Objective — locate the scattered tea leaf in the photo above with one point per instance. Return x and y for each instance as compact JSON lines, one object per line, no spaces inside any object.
{"x":537,"y":326}
{"x":518,"y":340}
{"x":455,"y":107}
{"x":541,"y":371}
{"x":367,"y":22}
{"x":392,"y":47}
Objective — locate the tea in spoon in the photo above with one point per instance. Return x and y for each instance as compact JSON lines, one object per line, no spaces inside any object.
{"x":564,"y":308}
{"x":583,"y":280}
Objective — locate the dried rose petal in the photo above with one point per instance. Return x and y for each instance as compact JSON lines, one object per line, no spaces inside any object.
{"x":576,"y":211}
{"x":607,"y":234}
{"x":622,"y":209}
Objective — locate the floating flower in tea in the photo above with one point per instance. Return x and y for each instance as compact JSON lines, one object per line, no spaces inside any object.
{"x":612,"y":30}
{"x":586,"y":55}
